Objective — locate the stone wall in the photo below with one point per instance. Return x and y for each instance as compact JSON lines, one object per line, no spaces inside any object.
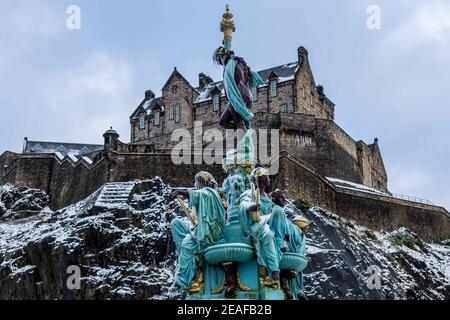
{"x":387,"y":213}
{"x":374,"y":211}
{"x":204,"y":112}
{"x":320,"y":143}
{"x":143,"y":166}
{"x":67,"y":183}
{"x":365,"y":163}
{"x":177,"y":91}
{"x":300,"y":181}
{"x":70,"y":183}
{"x":140,"y":135}
{"x":336,"y":153}
{"x":33,"y":171}
{"x":306,"y":94}
{"x":6,"y":168}
{"x":285,"y":95}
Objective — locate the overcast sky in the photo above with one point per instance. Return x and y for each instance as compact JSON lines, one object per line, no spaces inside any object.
{"x":67,"y":85}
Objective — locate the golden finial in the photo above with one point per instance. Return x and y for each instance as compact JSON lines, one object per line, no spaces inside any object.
{"x":227,"y":27}
{"x":204,"y":175}
{"x":262,"y":172}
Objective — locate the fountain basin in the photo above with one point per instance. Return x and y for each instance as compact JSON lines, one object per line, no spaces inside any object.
{"x":229,"y":252}
{"x":293,"y":261}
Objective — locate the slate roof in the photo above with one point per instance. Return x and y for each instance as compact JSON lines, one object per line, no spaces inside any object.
{"x":63,"y":148}
{"x":148,"y":105}
{"x":206,"y":93}
{"x":284,"y":72}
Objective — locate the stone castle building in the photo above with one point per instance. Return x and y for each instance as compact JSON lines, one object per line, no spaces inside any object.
{"x":319,"y":163}
{"x":290,"y":100}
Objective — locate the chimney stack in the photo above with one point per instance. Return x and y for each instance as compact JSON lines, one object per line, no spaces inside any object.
{"x":321,"y":92}
{"x":204,"y":80}
{"x":25,"y":142}
{"x":302,"y":54}
{"x":149,"y":94}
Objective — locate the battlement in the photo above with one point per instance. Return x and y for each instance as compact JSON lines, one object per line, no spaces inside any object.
{"x":67,"y":182}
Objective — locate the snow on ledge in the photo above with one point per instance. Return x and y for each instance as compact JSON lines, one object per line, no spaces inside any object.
{"x":355,"y":186}
{"x":72,"y":157}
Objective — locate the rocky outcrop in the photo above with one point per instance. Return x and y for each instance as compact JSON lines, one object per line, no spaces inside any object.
{"x":21,"y":202}
{"x":123,"y":249}
{"x":122,"y":253}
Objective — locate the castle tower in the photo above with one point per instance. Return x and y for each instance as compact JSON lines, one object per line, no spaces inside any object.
{"x":111,"y":137}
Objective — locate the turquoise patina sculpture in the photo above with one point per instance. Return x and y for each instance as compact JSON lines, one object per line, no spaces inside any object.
{"x":191,"y":239}
{"x":257,"y":252}
{"x":271,"y":222}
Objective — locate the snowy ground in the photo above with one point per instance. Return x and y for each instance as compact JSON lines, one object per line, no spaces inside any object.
{"x":125,"y":251}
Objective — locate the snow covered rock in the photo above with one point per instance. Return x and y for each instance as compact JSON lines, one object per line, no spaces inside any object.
{"x":21,"y":202}
{"x":347,"y":259}
{"x":119,"y":237}
{"x":122,"y":253}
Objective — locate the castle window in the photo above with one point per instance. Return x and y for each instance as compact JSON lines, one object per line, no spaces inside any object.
{"x":157,"y":119}
{"x":312,"y":100}
{"x":273,"y":88}
{"x":142,"y":122}
{"x":303,"y":93}
{"x":177,"y":113}
{"x":254,"y":93}
{"x":171,"y":112}
{"x":284,"y":107}
{"x":174,"y":89}
{"x":216,"y":102}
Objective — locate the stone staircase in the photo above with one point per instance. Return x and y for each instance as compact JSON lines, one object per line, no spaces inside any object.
{"x":114,"y":195}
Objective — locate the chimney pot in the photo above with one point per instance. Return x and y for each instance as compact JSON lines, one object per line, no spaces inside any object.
{"x":204,"y":80}
{"x":149,"y":94}
{"x":302,"y":54}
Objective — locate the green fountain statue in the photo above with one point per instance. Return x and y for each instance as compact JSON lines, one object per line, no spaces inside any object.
{"x":251,"y":250}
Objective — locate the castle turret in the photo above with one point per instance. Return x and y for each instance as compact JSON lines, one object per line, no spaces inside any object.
{"x":111,"y":137}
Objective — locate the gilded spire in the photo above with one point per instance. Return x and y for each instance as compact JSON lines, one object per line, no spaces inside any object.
{"x":227,"y":27}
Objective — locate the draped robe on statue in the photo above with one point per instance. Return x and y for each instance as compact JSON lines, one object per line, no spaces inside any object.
{"x":267,"y":251}
{"x":234,"y":93}
{"x":269,"y":235}
{"x":191,"y":241}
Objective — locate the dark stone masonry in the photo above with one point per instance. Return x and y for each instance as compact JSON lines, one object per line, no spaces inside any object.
{"x":313,"y":149}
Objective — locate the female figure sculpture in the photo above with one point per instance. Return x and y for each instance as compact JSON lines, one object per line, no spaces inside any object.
{"x":190,"y":239}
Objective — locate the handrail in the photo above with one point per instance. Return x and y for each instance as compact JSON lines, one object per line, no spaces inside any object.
{"x":411,"y":198}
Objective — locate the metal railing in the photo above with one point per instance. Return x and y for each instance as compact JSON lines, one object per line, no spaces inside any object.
{"x":413,"y":199}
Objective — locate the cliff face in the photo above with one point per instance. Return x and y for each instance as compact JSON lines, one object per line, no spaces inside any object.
{"x":120,"y":239}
